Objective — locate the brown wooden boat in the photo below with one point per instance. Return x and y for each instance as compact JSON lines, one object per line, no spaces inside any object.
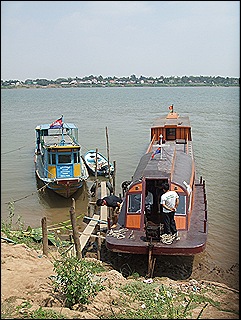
{"x":169,"y":158}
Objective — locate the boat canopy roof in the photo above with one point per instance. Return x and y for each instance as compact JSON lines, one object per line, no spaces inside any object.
{"x":149,"y":168}
{"x":172,"y":119}
{"x":178,"y":168}
{"x":47,"y":126}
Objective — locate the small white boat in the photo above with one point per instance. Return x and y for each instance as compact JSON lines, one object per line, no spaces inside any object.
{"x":102,"y":163}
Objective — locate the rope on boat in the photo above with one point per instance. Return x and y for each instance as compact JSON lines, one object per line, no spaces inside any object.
{"x":13,"y":150}
{"x":119,"y":234}
{"x":168,"y":238}
{"x":38,"y":190}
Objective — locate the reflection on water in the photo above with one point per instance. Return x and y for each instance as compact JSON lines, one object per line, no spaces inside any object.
{"x":49,"y":199}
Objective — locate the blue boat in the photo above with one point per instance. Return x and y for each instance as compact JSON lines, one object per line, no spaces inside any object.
{"x":58,"y":161}
{"x":102,"y":163}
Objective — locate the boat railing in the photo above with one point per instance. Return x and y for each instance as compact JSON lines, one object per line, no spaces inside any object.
{"x":205,"y":205}
{"x":189,"y":147}
{"x":44,"y":171}
{"x":49,"y":173}
{"x":59,"y":140}
{"x":202,"y":184}
{"x":151,"y":144}
{"x":187,"y":144}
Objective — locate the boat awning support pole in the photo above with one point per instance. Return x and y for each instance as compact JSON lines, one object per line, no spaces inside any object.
{"x":161,"y":136}
{"x":62,"y":141}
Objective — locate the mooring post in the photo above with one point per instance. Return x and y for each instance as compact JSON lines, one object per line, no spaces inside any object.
{"x":108,"y":152}
{"x":45,"y":236}
{"x":96,"y":163}
{"x":98,"y":245}
{"x":114,"y":163}
{"x":96,"y":178}
{"x":75,"y":230}
{"x":153,"y":266}
{"x":150,"y":259}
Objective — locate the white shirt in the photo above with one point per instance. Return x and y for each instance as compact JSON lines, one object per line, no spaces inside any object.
{"x":169,"y":199}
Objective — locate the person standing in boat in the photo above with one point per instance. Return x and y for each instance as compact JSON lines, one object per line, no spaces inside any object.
{"x":113,"y":202}
{"x":148,"y":202}
{"x":169,"y":202}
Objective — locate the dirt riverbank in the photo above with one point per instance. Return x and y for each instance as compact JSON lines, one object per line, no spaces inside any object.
{"x":25,"y":277}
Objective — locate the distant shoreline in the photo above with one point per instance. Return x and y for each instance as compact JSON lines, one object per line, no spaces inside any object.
{"x":127,"y":82}
{"x":115,"y":86}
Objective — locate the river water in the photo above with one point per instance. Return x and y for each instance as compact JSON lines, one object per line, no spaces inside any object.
{"x":127,"y":113}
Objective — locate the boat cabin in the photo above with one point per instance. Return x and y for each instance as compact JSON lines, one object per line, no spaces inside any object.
{"x":169,"y":158}
{"x":60,"y":151}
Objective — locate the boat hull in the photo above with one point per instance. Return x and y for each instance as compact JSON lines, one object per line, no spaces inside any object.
{"x":191,"y":242}
{"x":168,"y":161}
{"x":63,"y":187}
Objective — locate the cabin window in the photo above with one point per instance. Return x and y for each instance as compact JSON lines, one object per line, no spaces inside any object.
{"x":170,"y":134}
{"x":181,"y":209}
{"x":134,"y":203}
{"x":51,"y":158}
{"x":64,"y":158}
{"x":44,"y":132}
{"x":76,"y":157}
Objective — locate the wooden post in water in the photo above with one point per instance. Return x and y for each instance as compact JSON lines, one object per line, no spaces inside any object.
{"x":114,"y":177}
{"x":75,"y":230}
{"x":96,"y":178}
{"x":108,"y":152}
{"x":45,"y":235}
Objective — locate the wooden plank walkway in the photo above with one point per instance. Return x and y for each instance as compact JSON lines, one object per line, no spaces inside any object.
{"x":103,"y":209}
{"x":88,"y":231}
{"x":94,"y":220}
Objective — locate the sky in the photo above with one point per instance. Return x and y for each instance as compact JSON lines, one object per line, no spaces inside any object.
{"x":68,"y":39}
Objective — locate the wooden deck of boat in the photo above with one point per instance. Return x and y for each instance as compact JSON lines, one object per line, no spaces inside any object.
{"x":191,"y":242}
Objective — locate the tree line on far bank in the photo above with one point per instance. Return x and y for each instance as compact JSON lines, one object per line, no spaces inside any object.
{"x":131,"y":81}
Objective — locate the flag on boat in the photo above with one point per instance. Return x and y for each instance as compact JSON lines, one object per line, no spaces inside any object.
{"x":171,"y":108}
{"x":158,"y":150}
{"x":57,"y":123}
